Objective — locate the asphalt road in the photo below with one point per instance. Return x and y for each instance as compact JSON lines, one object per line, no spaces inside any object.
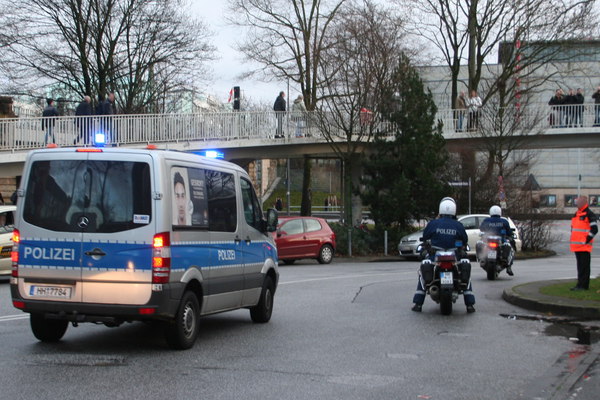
{"x":342,"y":331}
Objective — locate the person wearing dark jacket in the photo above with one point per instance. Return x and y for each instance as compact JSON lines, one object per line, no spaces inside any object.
{"x":49,"y":121}
{"x":279,"y":108}
{"x":584,"y":227}
{"x":83,"y":110}
{"x":596,"y":97}
{"x":569,"y":108}
{"x":556,"y":104}
{"x":444,"y":232}
{"x":579,"y":100}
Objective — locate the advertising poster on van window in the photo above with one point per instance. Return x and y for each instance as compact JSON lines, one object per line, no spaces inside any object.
{"x":189,"y":197}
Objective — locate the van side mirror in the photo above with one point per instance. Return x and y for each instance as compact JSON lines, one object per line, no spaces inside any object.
{"x":272,"y":220}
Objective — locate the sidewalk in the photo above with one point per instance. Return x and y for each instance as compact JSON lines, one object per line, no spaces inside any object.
{"x":528,"y":296}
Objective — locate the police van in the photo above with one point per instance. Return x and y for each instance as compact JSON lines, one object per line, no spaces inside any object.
{"x":110,"y":235}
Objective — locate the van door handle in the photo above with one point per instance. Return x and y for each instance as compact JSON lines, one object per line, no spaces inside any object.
{"x":95,"y":252}
{"x":247,"y":240}
{"x":238,"y":240}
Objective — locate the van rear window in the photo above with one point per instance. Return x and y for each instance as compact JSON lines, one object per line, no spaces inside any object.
{"x":92,"y":196}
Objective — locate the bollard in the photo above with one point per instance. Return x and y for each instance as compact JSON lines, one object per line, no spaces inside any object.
{"x":349,"y":242}
{"x":385,"y":243}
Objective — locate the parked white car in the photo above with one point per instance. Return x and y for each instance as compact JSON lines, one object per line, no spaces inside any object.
{"x":408,"y":244}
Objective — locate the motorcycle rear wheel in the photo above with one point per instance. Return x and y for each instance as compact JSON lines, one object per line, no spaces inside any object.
{"x":446,"y":303}
{"x":492,"y":274}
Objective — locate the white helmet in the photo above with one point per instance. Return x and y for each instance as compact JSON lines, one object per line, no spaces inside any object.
{"x":447,"y":206}
{"x":496,"y":210}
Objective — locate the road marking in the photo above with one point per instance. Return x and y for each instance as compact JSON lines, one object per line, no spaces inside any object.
{"x":345,"y":277}
{"x":13,"y":317}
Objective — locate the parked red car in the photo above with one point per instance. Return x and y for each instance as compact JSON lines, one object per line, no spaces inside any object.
{"x":304,"y":237}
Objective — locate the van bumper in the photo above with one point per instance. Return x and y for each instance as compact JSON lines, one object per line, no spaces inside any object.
{"x":161,"y":306}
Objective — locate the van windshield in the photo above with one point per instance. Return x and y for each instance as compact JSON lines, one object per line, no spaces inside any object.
{"x":92,"y":196}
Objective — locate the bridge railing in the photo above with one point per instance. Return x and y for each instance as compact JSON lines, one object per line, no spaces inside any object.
{"x":29,"y":133}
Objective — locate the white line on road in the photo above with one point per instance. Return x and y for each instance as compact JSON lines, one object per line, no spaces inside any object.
{"x":346,"y":277}
{"x":5,"y":318}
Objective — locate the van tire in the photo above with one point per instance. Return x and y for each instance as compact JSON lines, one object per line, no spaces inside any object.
{"x":181,"y":333}
{"x":261,"y":313}
{"x":47,"y":330}
{"x":325,"y":254}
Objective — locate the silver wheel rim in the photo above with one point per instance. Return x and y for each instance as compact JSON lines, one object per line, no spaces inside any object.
{"x":268,"y":300}
{"x":326,"y":254}
{"x":188,"y":320}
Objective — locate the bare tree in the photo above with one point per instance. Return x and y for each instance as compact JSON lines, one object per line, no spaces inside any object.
{"x":287,"y":38}
{"x":364,"y":51}
{"x":141,"y":49}
{"x":475,"y":29}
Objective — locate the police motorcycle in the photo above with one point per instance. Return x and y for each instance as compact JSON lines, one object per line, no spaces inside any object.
{"x":446,"y":277}
{"x":494,"y":254}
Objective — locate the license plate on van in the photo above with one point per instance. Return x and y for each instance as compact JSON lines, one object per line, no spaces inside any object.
{"x":50,"y":291}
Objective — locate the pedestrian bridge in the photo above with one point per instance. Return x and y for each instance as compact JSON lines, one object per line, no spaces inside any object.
{"x":244,"y":136}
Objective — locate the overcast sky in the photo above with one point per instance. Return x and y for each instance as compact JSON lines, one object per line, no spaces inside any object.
{"x":230,"y":64}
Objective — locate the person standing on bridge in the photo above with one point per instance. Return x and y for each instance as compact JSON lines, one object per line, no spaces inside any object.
{"x":584,"y":226}
{"x":279,"y":108}
{"x":48,"y":120}
{"x":83,"y":111}
{"x":596,"y":97}
{"x":579,"y":100}
{"x":474,"y":104}
{"x":299,"y":114}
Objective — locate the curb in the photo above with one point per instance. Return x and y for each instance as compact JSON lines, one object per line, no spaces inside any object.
{"x":528,"y":296}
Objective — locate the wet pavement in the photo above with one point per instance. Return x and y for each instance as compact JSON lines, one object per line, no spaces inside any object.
{"x":576,"y":374}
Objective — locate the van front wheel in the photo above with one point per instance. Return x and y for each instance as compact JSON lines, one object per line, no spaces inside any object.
{"x":261,"y":313}
{"x":47,"y":330}
{"x":181,"y":333}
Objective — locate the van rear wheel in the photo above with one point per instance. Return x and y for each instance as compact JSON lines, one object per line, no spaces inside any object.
{"x":181,"y":333}
{"x":261,"y":313}
{"x":47,"y":330}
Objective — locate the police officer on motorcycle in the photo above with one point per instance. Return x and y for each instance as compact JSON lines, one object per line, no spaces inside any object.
{"x":443,"y":232}
{"x":496,"y":225}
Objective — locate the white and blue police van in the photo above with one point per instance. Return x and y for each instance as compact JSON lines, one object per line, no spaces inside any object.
{"x":108,"y":235}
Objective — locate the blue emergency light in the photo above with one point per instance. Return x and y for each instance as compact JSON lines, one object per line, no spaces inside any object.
{"x":211,"y":154}
{"x":99,"y":139}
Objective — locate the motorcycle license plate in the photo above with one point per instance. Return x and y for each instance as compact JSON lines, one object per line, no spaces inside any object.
{"x":492,"y":254}
{"x":446,"y":278}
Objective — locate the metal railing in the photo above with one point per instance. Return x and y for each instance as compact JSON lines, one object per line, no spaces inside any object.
{"x":29,"y":133}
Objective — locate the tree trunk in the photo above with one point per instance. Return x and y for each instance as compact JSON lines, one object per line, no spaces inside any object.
{"x":305,"y":207}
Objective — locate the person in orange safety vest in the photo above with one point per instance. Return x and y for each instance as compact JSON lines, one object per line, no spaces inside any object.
{"x":584,"y":226}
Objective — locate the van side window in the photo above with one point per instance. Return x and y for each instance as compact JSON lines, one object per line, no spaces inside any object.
{"x":252,"y":209}
{"x":222,"y":209}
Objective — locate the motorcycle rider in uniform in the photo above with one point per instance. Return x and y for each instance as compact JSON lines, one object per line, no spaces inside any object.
{"x":444,"y":232}
{"x":496,"y":225}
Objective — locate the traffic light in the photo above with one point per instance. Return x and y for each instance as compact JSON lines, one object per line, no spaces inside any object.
{"x":236,"y":97}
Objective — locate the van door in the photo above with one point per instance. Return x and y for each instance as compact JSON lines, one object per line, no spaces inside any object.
{"x":256,"y":247}
{"x":114,"y":192}
{"x":205,"y":228}
{"x":51,"y":236}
